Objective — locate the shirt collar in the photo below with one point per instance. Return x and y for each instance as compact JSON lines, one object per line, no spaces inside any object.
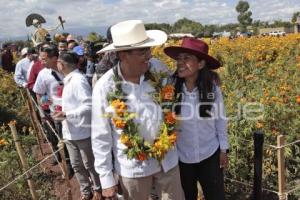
{"x":69,"y":76}
{"x":184,"y":88}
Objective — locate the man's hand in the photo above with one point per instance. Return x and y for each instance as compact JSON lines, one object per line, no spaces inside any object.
{"x":223,"y":160}
{"x":97,"y":195}
{"x":25,"y":85}
{"x":110,"y":193}
{"x":59,"y":116}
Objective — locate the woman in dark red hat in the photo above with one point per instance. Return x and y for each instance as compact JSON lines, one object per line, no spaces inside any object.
{"x":202,"y":140}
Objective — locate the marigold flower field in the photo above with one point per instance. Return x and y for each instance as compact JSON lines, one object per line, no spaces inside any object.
{"x":261,"y":74}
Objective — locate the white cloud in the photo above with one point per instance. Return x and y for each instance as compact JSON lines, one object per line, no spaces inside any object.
{"x":85,"y":14}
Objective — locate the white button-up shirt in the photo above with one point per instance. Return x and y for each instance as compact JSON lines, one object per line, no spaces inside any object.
{"x":105,"y":138}
{"x":29,"y":70}
{"x":47,"y":84}
{"x":199,"y":138}
{"x":21,"y":72}
{"x":76,"y":103}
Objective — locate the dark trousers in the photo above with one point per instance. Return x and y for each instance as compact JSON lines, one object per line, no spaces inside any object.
{"x":58,"y":128}
{"x":50,"y":135}
{"x":208,"y":173}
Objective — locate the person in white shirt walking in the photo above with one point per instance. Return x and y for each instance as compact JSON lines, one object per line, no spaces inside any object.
{"x":202,"y":141}
{"x":22,"y":67}
{"x":76,"y":121}
{"x":125,"y":145}
{"x":34,"y":59}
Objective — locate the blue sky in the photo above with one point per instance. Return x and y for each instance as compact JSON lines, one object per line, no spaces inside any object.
{"x":83,"y":16}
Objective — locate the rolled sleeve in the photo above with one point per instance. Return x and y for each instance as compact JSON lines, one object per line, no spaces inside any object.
{"x":39,"y":86}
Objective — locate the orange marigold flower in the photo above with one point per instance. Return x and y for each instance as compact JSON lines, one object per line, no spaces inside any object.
{"x":173,"y":137}
{"x":119,"y":123}
{"x":274,"y":98}
{"x":157,"y":144}
{"x":3,"y":142}
{"x":141,"y":156}
{"x":298,"y":99}
{"x":119,"y":106}
{"x":13,"y":122}
{"x":167,"y":92}
{"x":259,"y":125}
{"x":170,"y":118}
{"x":125,"y":140}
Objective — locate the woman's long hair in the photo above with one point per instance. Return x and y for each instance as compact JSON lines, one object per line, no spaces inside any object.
{"x":205,"y":84}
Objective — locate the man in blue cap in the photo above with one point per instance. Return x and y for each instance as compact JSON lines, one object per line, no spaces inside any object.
{"x":81,"y":59}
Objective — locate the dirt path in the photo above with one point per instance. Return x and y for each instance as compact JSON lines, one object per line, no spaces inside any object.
{"x":60,"y":188}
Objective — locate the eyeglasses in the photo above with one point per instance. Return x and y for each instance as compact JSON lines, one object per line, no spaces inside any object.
{"x":141,"y":51}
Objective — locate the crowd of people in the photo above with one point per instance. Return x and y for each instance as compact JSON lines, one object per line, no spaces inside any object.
{"x":119,"y":138}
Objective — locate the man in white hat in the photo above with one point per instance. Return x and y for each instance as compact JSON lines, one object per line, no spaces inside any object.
{"x":129,"y":82}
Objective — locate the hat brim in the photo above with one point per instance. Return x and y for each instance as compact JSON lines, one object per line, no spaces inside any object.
{"x":174,"y":51}
{"x":155,"y":38}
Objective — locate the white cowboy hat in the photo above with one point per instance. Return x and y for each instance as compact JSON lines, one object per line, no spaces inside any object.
{"x":131,"y":34}
{"x":24,"y":51}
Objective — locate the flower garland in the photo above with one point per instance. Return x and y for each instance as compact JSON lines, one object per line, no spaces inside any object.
{"x":123,"y":120}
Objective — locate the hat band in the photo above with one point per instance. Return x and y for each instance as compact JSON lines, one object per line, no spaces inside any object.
{"x":133,"y":45}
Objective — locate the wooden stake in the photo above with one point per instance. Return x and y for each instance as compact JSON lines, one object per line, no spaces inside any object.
{"x":64,"y":167}
{"x":23,"y":160}
{"x":281,"y":167}
{"x":34,"y":121}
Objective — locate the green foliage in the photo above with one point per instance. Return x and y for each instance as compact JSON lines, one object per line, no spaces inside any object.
{"x":295,"y":15}
{"x":188,"y":26}
{"x":11,"y":168}
{"x":263,"y":71}
{"x":242,"y":6}
{"x":155,"y":26}
{"x":244,"y":16}
{"x":95,"y":37}
{"x":13,"y":107}
{"x":280,"y":23}
{"x":196,"y":28}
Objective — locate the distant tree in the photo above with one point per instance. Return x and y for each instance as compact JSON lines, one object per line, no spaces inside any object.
{"x":94,"y":37}
{"x":257,"y":23}
{"x":155,"y":26}
{"x":280,"y":23}
{"x":294,"y":18}
{"x":265,"y":24}
{"x":229,"y":27}
{"x":209,"y":29}
{"x":244,"y":16}
{"x":188,"y":26}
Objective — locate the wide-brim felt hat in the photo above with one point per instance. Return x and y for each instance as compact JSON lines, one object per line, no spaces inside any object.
{"x":196,"y":47}
{"x":132,"y":34}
